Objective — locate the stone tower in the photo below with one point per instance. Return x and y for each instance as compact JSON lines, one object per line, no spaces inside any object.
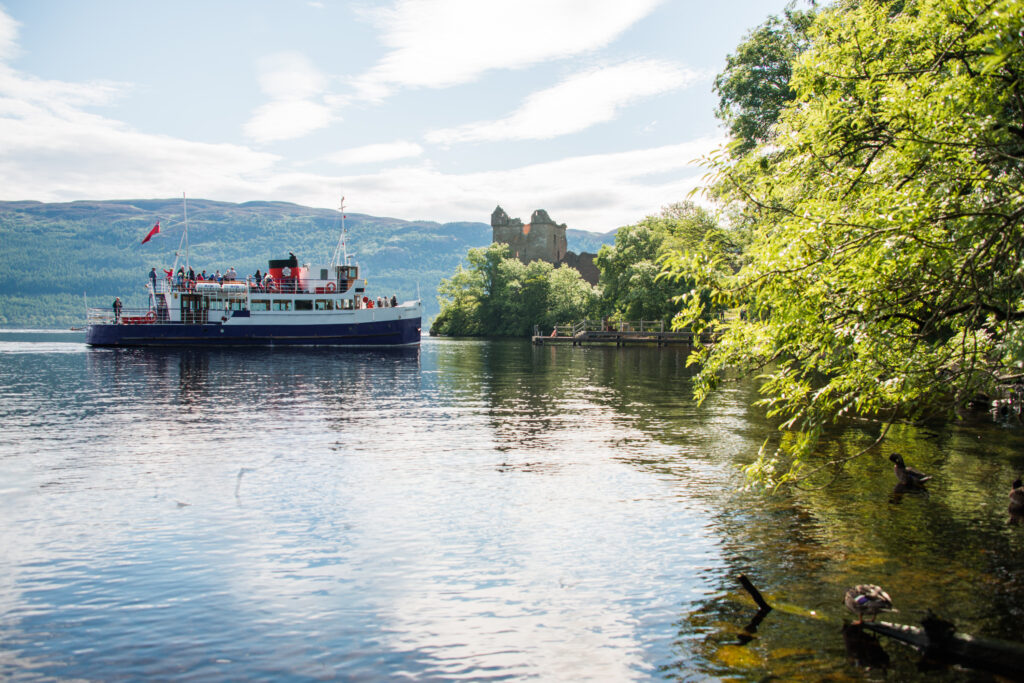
{"x":539,"y":240}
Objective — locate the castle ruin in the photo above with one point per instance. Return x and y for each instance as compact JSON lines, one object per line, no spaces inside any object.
{"x":540,"y":240}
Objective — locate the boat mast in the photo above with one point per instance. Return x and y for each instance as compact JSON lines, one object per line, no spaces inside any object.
{"x":183,"y":240}
{"x":342,"y":248}
{"x":185,"y":205}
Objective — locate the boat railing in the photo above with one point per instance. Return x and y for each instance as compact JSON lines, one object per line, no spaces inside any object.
{"x":240,"y":287}
{"x":128,"y":316}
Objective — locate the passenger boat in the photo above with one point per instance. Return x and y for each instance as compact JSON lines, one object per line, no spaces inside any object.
{"x":298,"y":304}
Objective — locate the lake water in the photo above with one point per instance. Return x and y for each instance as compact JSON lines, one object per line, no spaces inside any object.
{"x":468,"y":510}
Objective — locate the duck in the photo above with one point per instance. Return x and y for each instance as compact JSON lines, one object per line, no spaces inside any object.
{"x":867,"y":598}
{"x":1017,"y":498}
{"x":907,"y":476}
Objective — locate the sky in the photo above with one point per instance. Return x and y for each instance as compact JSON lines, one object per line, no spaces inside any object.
{"x":596,"y":110}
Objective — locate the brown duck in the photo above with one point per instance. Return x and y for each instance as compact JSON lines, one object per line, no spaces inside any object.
{"x":867,"y":598}
{"x":907,"y":476}
{"x":1017,"y":498}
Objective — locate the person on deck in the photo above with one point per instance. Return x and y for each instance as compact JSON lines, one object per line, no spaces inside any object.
{"x":394,"y":301}
{"x":152,"y":278}
{"x":117,"y":309}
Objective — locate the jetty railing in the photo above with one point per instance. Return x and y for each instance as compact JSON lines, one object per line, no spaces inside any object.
{"x":618,"y":332}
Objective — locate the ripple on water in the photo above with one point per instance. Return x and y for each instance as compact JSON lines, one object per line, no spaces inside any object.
{"x":471,"y":510}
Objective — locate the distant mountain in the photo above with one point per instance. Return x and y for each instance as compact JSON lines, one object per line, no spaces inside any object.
{"x":53,"y":255}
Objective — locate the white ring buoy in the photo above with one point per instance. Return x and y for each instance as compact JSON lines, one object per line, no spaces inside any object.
{"x":286,"y":271}
{"x":330,"y":287}
{"x":151,"y":317}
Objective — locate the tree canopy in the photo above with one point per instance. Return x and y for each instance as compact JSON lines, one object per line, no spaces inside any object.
{"x":885,"y":274}
{"x":501,"y":296}
{"x":755,"y":87}
{"x":630,"y":282}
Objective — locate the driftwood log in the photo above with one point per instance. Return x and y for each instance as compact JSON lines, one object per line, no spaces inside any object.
{"x":763,"y":609}
{"x":935,"y":638}
{"x":938,"y":640}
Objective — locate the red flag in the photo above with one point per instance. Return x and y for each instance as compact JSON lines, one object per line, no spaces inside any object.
{"x":155,"y":230}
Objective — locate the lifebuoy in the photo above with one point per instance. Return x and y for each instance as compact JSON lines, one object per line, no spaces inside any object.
{"x":331,"y":287}
{"x":151,"y":317}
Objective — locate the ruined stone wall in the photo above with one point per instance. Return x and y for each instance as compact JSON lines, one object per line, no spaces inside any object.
{"x":540,"y":240}
{"x":584,"y":264}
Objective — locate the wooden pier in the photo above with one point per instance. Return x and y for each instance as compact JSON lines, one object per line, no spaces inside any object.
{"x":624,"y":333}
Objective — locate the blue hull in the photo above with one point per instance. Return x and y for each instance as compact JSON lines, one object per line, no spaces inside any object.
{"x":379,"y":333}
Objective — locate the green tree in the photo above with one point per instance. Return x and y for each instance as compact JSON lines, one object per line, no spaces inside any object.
{"x":460,"y":296}
{"x":630,"y":282}
{"x":570,"y":298}
{"x":885,"y":277}
{"x":501,"y":296}
{"x":754,"y":87}
{"x":519,"y":300}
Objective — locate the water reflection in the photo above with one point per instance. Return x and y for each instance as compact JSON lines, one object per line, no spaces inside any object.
{"x":472,"y":510}
{"x":863,"y":649}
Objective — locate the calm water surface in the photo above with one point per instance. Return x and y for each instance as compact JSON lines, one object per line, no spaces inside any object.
{"x":468,"y":510}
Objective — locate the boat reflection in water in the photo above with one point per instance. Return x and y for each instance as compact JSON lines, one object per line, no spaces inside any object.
{"x":254,"y":378}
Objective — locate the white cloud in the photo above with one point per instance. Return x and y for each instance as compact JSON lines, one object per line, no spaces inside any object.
{"x":594,"y":192}
{"x":289,"y":76}
{"x":440,"y":43}
{"x":8,"y":36}
{"x":286,"y":120}
{"x":388,"y":151}
{"x":55,"y":150}
{"x":294,"y":86}
{"x":17,"y":90}
{"x":575,"y":104}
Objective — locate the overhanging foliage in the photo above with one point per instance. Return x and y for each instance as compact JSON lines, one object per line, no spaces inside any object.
{"x":886,"y":275}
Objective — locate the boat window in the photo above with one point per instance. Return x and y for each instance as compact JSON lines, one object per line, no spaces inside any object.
{"x":303,"y":305}
{"x":282,"y":305}
{"x":260,"y":305}
{"x":324,"y":305}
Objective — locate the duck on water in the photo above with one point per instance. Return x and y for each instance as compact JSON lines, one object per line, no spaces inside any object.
{"x":907,"y":476}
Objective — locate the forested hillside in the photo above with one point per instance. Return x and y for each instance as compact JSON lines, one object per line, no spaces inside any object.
{"x":51,"y":255}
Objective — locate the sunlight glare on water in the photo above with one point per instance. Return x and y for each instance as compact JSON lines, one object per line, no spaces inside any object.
{"x":319,"y":512}
{"x":465,"y":510}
